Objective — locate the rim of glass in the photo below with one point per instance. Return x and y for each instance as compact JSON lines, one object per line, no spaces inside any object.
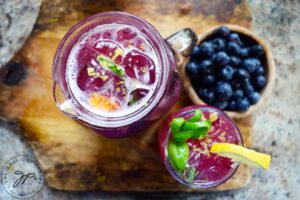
{"x":203,"y":185}
{"x":94,"y":120}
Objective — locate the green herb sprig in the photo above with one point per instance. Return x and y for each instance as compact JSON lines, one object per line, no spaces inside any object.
{"x":105,"y":62}
{"x":182,"y":130}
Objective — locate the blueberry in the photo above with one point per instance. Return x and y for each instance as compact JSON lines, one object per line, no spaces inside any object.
{"x":253,"y":98}
{"x":207,"y":95}
{"x":219,"y":44}
{"x":223,"y":31}
{"x":205,"y":67}
{"x":235,"y":83}
{"x":237,"y":94}
{"x":221,"y":59}
{"x":226,"y":73}
{"x":241,"y":74}
{"x":244,"y":52}
{"x":223,"y":91}
{"x":247,"y":87}
{"x":242,"y":105}
{"x":231,"y":105}
{"x":206,"y":50}
{"x":250,"y":64}
{"x":259,"y":82}
{"x":234,"y":61}
{"x":192,"y":70}
{"x":256,"y":51}
{"x":234,"y":37}
{"x":259,"y":70}
{"x":208,"y":80}
{"x":233,"y":48}
{"x":220,"y":104}
{"x":195,"y":52}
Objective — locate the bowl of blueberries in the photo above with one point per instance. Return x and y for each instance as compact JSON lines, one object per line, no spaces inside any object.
{"x":230,"y":68}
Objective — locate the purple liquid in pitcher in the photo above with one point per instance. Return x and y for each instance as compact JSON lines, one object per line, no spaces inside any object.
{"x":110,"y":92}
{"x":115,"y":73}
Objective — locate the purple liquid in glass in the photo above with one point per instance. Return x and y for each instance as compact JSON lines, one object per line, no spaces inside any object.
{"x":210,"y":169}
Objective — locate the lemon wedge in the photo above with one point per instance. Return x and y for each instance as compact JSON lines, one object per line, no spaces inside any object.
{"x":242,"y":154}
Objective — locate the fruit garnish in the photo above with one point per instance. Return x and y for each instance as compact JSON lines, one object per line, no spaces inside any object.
{"x":99,"y":101}
{"x":178,"y":153}
{"x":242,"y":154}
{"x":108,"y":64}
{"x":183,"y":130}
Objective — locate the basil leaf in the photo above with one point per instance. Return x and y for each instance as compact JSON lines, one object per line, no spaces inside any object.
{"x":178,"y":154}
{"x":182,"y":136}
{"x":176,"y":124}
{"x":190,"y":174}
{"x":111,"y":65}
{"x":200,"y":129}
{"x":196,"y":117}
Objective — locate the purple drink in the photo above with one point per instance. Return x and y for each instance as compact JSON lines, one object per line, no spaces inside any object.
{"x":203,"y":169}
{"x":116,"y":74}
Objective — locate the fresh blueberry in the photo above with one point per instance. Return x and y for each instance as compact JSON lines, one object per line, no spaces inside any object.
{"x":244,"y":52}
{"x":206,"y":94}
{"x":259,"y":70}
{"x":259,"y":82}
{"x":221,"y":59}
{"x":242,"y":105}
{"x":241,"y":74}
{"x":219,"y":44}
{"x":195,"y":53}
{"x":226,"y":73}
{"x":192,"y":70}
{"x":256,"y":51}
{"x":231,"y":105}
{"x":223,"y":91}
{"x":205,"y":67}
{"x":247,"y":87}
{"x":220,"y":104}
{"x":253,"y":98}
{"x":223,"y":31}
{"x":250,"y":64}
{"x":208,"y":79}
{"x":234,"y":61}
{"x":206,"y":50}
{"x":237,"y":94}
{"x":233,"y":48}
{"x":234,"y":37}
{"x":235,"y":83}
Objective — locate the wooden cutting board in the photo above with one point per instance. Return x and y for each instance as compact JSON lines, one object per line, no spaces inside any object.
{"x":73,"y":156}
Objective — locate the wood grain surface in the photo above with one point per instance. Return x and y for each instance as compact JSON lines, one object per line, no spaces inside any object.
{"x":73,"y":156}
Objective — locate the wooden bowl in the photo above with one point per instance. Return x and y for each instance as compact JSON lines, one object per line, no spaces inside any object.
{"x":267,"y":61}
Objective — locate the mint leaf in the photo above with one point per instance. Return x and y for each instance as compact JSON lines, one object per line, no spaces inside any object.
{"x":178,"y":154}
{"x":110,"y":65}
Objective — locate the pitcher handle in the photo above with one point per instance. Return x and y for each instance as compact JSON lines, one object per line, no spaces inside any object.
{"x":183,"y":41}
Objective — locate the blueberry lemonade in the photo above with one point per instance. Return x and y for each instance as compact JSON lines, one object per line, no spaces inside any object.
{"x":112,"y":70}
{"x":199,"y":146}
{"x":115,"y":73}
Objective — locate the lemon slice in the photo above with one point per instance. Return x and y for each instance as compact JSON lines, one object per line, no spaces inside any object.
{"x":242,"y":154}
